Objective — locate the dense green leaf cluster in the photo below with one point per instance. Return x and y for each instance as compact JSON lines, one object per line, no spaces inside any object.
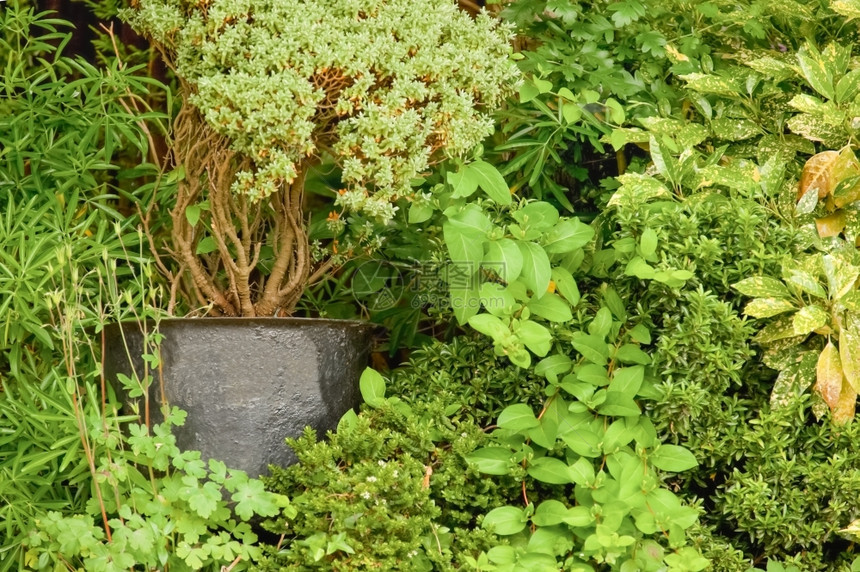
{"x":382,"y":85}
{"x":397,"y":471}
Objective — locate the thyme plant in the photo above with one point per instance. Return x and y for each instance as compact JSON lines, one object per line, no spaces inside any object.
{"x":384,"y":87}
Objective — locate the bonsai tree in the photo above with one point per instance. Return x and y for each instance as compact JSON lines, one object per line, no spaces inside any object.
{"x":383,"y":88}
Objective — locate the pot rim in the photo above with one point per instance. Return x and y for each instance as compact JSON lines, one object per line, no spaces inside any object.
{"x":256,"y":320}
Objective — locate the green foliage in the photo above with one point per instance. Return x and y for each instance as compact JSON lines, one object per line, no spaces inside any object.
{"x":351,"y":76}
{"x":64,"y":130}
{"x":185,"y":518}
{"x":391,"y":488}
{"x":466,"y":374}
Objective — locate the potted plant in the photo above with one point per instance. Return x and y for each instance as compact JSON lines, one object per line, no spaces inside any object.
{"x":384,"y":89}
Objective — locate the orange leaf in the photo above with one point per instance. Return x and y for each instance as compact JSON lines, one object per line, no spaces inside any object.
{"x":818,"y":172}
{"x":830,"y":225}
{"x":829,"y":375}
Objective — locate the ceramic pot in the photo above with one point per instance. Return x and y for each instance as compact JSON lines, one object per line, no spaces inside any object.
{"x":247,"y":383}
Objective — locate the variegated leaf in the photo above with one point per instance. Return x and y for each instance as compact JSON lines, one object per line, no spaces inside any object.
{"x":849,"y":350}
{"x":852,"y":530}
{"x":810,"y":318}
{"x":762,"y":287}
{"x":780,"y":329}
{"x":851,"y":301}
{"x":841,"y":275}
{"x":815,"y":128}
{"x":704,"y":83}
{"x":767,"y":307}
{"x":828,"y":375}
{"x":734,"y":129}
{"x":850,"y":9}
{"x":784,"y":353}
{"x":817,"y":69}
{"x":771,"y":67}
{"x":637,"y":189}
{"x":794,"y":380}
{"x":807,"y":283}
{"x":807,"y":202}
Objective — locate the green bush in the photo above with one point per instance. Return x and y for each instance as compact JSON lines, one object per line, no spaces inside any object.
{"x":391,"y":489}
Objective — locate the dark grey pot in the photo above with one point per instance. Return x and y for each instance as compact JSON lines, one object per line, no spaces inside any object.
{"x":248,"y":383}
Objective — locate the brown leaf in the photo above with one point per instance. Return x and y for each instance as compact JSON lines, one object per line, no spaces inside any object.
{"x":829,"y":375}
{"x":818,"y":172}
{"x":830,"y":225}
{"x":844,"y":410}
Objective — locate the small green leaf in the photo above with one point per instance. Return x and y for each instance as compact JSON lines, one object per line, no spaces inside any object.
{"x":673,"y":458}
{"x":567,"y":235}
{"x":192,"y":214}
{"x":504,"y":257}
{"x":543,"y":85}
{"x":206,"y":245}
{"x":640,"y":269}
{"x":571,"y":112}
{"x":553,"y":366}
{"x":463,"y":183}
{"x":627,"y":380}
{"x":491,"y":181}
{"x":640,"y":334}
{"x":490,"y":325}
{"x":528,"y":92}
{"x":566,"y":285}
{"x":251,"y":499}
{"x":601,"y":325}
{"x":492,"y":460}
{"x":549,"y":513}
{"x":535,"y":336}
{"x":505,"y":520}
{"x":592,"y":348}
{"x":372,"y":387}
{"x":551,"y":308}
{"x":550,"y":470}
{"x":536,"y":271}
{"x":619,"y":405}
{"x":518,"y":417}
{"x":630,"y":353}
{"x":648,"y":243}
{"x":420,"y":212}
{"x":536,"y":215}
{"x":579,"y":516}
{"x":582,"y":472}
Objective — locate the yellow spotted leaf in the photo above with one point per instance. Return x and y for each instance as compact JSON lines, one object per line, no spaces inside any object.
{"x":818,"y":173}
{"x":829,"y":375}
{"x":808,"y":319}
{"x":849,"y":351}
{"x":767,"y":307}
